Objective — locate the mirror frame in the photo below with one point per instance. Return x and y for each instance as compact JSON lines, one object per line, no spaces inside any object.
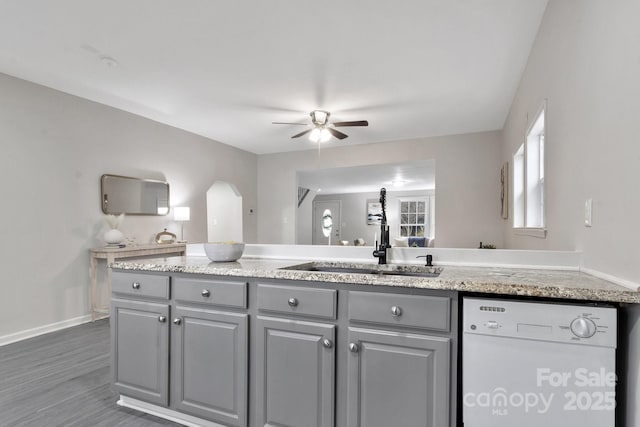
{"x":104,"y":196}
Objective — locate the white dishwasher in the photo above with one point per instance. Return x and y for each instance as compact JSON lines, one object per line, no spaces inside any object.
{"x":530,"y":364}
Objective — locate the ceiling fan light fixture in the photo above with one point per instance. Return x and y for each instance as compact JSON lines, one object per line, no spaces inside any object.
{"x":321,"y":130}
{"x":399,"y":182}
{"x":320,"y":134}
{"x":325,"y":135}
{"x":314,"y":136}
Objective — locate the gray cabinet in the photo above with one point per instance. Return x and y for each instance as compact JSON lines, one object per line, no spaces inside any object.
{"x":272,"y":353}
{"x":140,"y":349}
{"x":209,"y":364}
{"x":295,"y":376}
{"x":397,"y":379}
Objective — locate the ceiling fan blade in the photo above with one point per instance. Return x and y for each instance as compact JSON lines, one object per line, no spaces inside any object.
{"x":337,"y":133}
{"x":354,"y":123}
{"x":298,"y":135}
{"x":287,"y":123}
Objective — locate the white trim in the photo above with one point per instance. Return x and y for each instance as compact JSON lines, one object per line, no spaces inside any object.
{"x":167,"y":414}
{"x":540,"y":233}
{"x":617,"y":280}
{"x":45,"y":329}
{"x":532,"y":132}
{"x":499,"y":265}
{"x":542,"y":108}
{"x":427,"y":215}
{"x":405,"y":255}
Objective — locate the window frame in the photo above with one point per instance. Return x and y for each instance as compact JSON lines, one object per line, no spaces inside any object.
{"x":428,"y":215}
{"x":523,"y":189}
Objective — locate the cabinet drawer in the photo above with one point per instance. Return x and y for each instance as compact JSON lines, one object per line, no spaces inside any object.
{"x":140,"y":284}
{"x":215,"y":292}
{"x":415,"y":311}
{"x":297,"y":300}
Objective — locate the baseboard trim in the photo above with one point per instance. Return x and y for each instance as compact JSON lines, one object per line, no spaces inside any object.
{"x":166,"y":413}
{"x":618,"y":281}
{"x":45,"y":329}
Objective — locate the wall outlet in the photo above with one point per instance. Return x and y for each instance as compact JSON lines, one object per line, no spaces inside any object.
{"x":588,"y":211}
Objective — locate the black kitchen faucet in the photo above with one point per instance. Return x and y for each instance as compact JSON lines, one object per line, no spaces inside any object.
{"x":381,"y":250}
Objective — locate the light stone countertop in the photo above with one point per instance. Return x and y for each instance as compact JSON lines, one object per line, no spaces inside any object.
{"x":500,"y":281}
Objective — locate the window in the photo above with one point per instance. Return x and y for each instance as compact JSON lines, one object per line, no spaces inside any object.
{"x":416,"y":217}
{"x":528,"y":179}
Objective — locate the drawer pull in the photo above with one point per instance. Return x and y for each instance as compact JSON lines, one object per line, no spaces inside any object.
{"x":353,"y":347}
{"x":135,"y":285}
{"x":396,"y":311}
{"x":162,"y":319}
{"x":293,"y":302}
{"x":205,"y":293}
{"x":177,"y":321}
{"x":327,"y":343}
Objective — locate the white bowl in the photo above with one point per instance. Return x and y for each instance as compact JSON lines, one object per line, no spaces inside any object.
{"x":223,"y":252}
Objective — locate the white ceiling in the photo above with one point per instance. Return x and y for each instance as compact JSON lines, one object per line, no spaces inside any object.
{"x":406,"y":176}
{"x":227,"y":69}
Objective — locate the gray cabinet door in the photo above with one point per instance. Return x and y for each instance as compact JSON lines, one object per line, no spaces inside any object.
{"x":209,"y":365}
{"x":397,"y":379}
{"x":295,"y":373}
{"x":140,"y":350}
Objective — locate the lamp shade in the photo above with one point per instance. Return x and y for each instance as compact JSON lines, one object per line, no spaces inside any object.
{"x":181,"y":213}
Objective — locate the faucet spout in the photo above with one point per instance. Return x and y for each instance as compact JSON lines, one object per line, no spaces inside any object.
{"x":381,"y":249}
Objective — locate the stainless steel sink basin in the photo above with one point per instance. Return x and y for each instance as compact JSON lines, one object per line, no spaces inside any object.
{"x":377,"y":269}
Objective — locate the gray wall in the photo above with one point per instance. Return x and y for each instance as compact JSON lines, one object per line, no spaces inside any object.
{"x":55,"y":147}
{"x":585,"y":61}
{"x":467,"y":184}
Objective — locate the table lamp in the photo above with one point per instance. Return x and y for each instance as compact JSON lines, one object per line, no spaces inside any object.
{"x":181,"y":214}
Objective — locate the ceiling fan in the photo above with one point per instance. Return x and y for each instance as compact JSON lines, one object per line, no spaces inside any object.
{"x":322,"y":130}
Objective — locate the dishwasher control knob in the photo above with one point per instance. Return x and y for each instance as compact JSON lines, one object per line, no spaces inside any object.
{"x":583,"y":327}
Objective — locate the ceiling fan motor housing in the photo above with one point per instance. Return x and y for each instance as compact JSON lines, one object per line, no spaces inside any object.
{"x":319,"y":117}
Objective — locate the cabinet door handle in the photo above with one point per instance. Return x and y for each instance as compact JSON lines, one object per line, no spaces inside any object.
{"x":293,"y":302}
{"x":162,"y":319}
{"x":327,"y":343}
{"x":177,"y":321}
{"x":396,"y":311}
{"x":135,"y":285}
{"x":353,"y":347}
{"x":205,"y":293}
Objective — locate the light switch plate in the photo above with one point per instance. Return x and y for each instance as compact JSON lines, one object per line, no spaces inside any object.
{"x":588,"y":211}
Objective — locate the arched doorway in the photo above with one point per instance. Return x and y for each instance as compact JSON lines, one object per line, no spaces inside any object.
{"x":224,"y":213}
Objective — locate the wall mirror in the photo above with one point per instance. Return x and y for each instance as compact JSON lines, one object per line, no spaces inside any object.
{"x":348,"y":192}
{"x":133,"y":196}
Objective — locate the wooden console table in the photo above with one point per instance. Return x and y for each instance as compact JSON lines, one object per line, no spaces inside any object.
{"x":111,"y":254}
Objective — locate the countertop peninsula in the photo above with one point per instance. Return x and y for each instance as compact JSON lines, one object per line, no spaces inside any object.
{"x":559,"y":284}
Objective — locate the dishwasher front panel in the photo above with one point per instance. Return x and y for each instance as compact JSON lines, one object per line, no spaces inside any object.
{"x":521,"y":367}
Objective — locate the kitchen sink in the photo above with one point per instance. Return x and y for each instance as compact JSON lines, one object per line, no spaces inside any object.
{"x":377,"y":269}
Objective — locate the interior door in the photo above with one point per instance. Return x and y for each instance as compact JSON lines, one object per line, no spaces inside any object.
{"x":326,"y":222}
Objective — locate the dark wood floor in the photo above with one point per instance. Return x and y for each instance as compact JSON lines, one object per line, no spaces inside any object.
{"x":62,"y":379}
